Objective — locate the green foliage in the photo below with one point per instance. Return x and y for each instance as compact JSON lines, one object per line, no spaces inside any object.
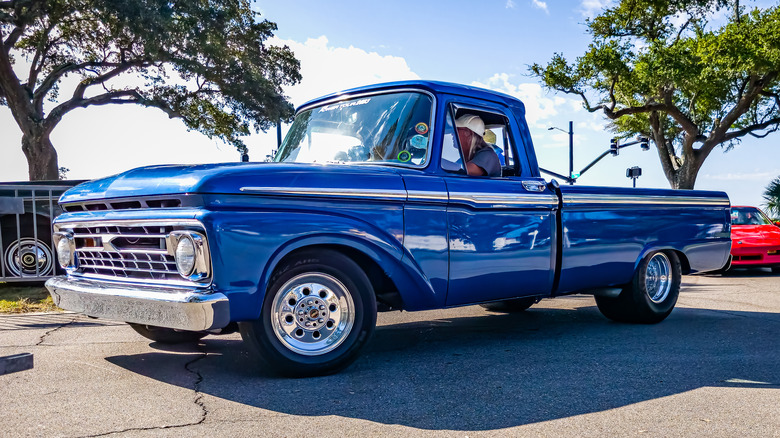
{"x":206,"y":62}
{"x":772,"y":198}
{"x":660,"y":68}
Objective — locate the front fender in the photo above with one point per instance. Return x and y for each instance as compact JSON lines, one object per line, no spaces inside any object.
{"x":416,"y":291}
{"x":248,"y":246}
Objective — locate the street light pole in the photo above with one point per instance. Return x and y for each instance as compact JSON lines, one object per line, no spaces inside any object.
{"x":571,"y":177}
{"x":571,"y":152}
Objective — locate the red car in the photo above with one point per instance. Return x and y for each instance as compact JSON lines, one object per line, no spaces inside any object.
{"x":755,"y":240}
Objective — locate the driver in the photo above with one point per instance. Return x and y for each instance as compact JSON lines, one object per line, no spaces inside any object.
{"x":480,"y":158}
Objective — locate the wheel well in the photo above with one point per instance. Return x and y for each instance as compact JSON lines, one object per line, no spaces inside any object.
{"x":387,"y":295}
{"x":685,"y":265}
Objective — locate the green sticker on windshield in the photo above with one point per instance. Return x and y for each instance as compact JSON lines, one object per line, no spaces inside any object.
{"x":404,"y":156}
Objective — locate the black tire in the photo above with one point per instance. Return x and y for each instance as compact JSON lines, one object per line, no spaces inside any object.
{"x":776,"y":270}
{"x":639,"y":305}
{"x":510,"y":306}
{"x":315,"y":342}
{"x":166,"y":335}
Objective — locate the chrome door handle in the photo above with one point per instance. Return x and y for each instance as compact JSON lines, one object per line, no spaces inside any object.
{"x":534,"y":186}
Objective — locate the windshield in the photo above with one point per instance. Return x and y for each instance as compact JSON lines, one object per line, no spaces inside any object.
{"x":748,"y":216}
{"x":383,"y":128}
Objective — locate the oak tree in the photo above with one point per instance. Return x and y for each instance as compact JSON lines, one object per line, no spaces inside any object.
{"x":206,"y":62}
{"x":691,"y":75}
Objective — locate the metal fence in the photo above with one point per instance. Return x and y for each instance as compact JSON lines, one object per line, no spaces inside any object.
{"x":26,"y":213}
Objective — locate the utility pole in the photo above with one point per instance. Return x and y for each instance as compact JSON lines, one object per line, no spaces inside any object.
{"x":571,"y":152}
{"x":571,"y":177}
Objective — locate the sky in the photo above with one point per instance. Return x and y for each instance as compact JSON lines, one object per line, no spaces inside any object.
{"x":343,"y":44}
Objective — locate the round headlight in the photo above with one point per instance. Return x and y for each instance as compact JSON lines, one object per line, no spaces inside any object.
{"x":185,"y":256}
{"x":63,"y":252}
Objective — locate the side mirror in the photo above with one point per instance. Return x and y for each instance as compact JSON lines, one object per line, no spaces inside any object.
{"x":777,"y":223}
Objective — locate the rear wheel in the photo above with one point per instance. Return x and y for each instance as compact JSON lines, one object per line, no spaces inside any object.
{"x":318,"y":312}
{"x":510,"y":306}
{"x":166,"y":335}
{"x":651,"y":295}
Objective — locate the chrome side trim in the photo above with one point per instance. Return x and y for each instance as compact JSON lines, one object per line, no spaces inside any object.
{"x":191,"y":309}
{"x":644,"y":200}
{"x":426,"y":196}
{"x":327,"y":192}
{"x":508,"y":199}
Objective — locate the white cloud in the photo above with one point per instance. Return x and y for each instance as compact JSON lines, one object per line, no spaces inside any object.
{"x":510,"y":4}
{"x":747,"y":176}
{"x":539,"y":107}
{"x":100,"y":141}
{"x":327,"y":69}
{"x":591,"y":8}
{"x":538,"y":4}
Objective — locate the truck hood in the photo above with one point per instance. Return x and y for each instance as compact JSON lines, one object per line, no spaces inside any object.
{"x":231,"y":178}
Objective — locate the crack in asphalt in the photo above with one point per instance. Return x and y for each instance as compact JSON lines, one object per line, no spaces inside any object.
{"x":198,"y":400}
{"x":43,"y":337}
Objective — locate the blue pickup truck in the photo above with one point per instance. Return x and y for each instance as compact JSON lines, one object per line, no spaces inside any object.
{"x":409,"y":196}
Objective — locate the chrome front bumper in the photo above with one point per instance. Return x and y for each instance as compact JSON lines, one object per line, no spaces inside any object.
{"x":172,"y":307}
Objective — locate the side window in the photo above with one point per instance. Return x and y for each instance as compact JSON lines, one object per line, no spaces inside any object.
{"x":496,"y":136}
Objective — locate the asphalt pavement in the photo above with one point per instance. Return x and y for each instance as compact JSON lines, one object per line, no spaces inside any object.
{"x":559,"y":369}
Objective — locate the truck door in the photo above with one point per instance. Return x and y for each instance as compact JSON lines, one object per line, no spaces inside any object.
{"x":501,"y":229}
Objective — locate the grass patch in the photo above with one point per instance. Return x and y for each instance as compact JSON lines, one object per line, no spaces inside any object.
{"x":25,"y":299}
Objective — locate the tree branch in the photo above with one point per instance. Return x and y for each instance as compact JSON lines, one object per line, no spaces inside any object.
{"x":719,"y":134}
{"x":666,"y":156}
{"x":14,"y":94}
{"x":756,"y":127}
{"x":126,"y":96}
{"x":40,"y":56}
{"x":57,"y":73}
{"x":774,"y":96}
{"x":78,"y":93}
{"x":13,"y":37}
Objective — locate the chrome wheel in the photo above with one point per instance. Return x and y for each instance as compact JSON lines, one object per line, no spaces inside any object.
{"x":658,"y":277}
{"x":29,"y":257}
{"x":312,"y":314}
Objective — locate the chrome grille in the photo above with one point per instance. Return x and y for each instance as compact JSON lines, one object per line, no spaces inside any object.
{"x":152,"y":266}
{"x":127,"y":250}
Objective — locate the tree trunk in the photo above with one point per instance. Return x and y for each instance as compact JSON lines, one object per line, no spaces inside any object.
{"x":684,"y":178}
{"x":41,"y":157}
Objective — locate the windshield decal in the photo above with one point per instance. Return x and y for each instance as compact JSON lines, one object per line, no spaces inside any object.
{"x":419,"y":142}
{"x":343,"y":105}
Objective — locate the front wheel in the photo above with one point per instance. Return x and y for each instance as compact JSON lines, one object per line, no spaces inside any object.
{"x":318,"y":312}
{"x":651,"y":295}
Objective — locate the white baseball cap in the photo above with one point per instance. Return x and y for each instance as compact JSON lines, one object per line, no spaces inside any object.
{"x":474,"y":123}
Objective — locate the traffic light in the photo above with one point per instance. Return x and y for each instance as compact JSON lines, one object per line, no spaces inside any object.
{"x":614,"y":149}
{"x":643,"y":143}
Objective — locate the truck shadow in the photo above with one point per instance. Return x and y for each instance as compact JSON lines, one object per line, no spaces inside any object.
{"x":496,"y":371}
